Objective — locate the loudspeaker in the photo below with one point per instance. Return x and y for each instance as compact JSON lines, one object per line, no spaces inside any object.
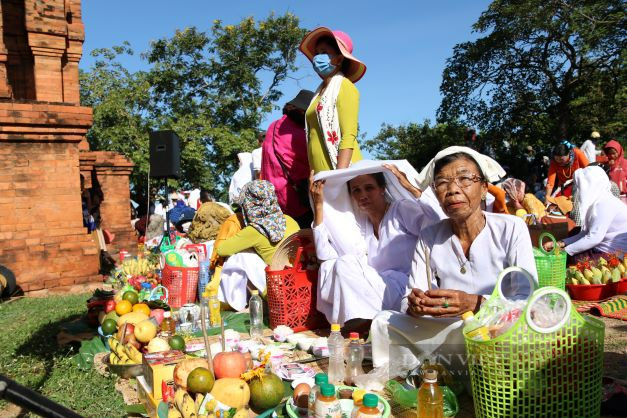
{"x":165,"y":155}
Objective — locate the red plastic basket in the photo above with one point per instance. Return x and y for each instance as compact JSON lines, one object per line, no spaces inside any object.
{"x":181,"y":283}
{"x":292,"y":296}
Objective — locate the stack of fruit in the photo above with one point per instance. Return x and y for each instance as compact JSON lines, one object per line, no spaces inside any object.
{"x":602,"y":272}
{"x":588,"y":280}
{"x":233,"y":389}
{"x":123,"y":354}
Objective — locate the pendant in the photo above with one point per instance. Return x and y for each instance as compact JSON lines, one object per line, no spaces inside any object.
{"x":462,"y":270}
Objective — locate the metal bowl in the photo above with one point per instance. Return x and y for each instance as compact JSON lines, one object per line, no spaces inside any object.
{"x":125,"y":371}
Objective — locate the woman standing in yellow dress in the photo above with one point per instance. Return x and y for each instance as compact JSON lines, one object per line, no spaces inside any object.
{"x":332,"y":115}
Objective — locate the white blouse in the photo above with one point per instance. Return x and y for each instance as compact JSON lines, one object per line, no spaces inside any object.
{"x":503,"y":242}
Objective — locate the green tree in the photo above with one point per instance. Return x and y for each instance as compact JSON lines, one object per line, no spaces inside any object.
{"x":212,"y":88}
{"x":417,"y":143}
{"x":543,"y":70}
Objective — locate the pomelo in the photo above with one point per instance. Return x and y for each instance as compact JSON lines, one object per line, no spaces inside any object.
{"x":265,"y":392}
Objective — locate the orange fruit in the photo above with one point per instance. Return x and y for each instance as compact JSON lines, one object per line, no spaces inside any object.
{"x":141,"y":307}
{"x":123,"y":307}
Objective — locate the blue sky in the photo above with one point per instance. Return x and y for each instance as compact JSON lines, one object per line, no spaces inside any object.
{"x":404,"y":43}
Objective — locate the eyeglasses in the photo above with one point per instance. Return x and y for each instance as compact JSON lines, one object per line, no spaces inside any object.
{"x":465,"y":180}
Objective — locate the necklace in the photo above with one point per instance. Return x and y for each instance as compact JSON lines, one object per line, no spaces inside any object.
{"x":570,"y":172}
{"x":462,"y":266}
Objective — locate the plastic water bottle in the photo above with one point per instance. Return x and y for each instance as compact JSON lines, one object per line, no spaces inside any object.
{"x":430,"y":398}
{"x":337,"y":370}
{"x":203,"y":277}
{"x":255,"y":309}
{"x":354,"y":360}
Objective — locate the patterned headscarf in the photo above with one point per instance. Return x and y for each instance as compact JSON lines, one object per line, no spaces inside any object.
{"x":262,"y":211}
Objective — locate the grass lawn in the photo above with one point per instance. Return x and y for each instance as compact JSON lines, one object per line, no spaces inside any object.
{"x":29,"y":354}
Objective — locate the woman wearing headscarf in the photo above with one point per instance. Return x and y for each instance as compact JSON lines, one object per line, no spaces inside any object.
{"x":331,"y":118}
{"x":252,"y":248}
{"x":618,"y":165}
{"x":455,"y":264}
{"x":566,"y":160}
{"x":367,"y":220}
{"x":603,"y":217}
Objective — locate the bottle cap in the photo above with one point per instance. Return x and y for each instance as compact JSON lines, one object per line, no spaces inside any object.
{"x":431,"y":376}
{"x":327,"y":389}
{"x":254,"y":292}
{"x":167,"y":314}
{"x":358,"y":395}
{"x":146,"y":285}
{"x":371,"y":400}
{"x":335,"y":327}
{"x":353,"y":336}
{"x":467,"y":315}
{"x":321,"y":378}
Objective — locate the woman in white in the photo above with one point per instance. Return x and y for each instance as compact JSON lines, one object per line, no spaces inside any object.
{"x":241,"y":177}
{"x":464,"y":254}
{"x":364,"y":239}
{"x":603,"y":217}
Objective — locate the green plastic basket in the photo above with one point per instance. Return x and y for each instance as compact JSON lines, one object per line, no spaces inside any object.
{"x":530,"y":371}
{"x":551,"y":266}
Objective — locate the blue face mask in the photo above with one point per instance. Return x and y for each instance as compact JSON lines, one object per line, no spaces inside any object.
{"x":322,"y":65}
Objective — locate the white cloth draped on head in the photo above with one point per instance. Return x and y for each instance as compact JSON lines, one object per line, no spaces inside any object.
{"x":490,"y":169}
{"x":243,"y":175}
{"x":345,"y":223}
{"x":592,"y":184}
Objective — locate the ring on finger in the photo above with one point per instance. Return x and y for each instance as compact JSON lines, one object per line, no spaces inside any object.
{"x":445,"y":304}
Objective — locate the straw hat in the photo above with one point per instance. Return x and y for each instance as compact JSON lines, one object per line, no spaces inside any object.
{"x":595,"y":135}
{"x":564,"y":204}
{"x":355,"y":71}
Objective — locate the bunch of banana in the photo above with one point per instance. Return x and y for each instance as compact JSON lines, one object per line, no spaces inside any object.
{"x":184,"y":406}
{"x":136,"y":266}
{"x":123,"y":353}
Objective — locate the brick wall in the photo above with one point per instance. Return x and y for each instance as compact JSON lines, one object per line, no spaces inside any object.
{"x":42,"y":238}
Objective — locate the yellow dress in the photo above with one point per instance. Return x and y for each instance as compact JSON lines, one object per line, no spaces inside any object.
{"x":348,"y":111}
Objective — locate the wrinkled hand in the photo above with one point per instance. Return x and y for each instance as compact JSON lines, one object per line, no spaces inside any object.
{"x":316,"y":190}
{"x":441,"y":303}
{"x":402,"y":178}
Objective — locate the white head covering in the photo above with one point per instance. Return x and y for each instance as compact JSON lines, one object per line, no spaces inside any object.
{"x":592,"y":185}
{"x":490,"y":169}
{"x":589,"y":150}
{"x":243,"y":175}
{"x":345,"y":222}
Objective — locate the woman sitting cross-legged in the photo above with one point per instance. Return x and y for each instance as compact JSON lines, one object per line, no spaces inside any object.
{"x":251,"y":249}
{"x":365,"y":239}
{"x":455,"y":265}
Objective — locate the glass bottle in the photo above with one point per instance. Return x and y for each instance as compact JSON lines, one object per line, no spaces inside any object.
{"x":168,"y":325}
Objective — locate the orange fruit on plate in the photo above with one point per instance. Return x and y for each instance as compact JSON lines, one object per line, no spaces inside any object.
{"x":123,"y":307}
{"x":141,"y":307}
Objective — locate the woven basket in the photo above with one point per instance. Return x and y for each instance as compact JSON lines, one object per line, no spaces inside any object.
{"x":551,"y":266}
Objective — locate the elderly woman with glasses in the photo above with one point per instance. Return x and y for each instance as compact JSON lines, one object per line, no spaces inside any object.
{"x":456,"y":263}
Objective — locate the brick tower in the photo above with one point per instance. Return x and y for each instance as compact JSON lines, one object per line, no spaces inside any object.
{"x":42,"y":128}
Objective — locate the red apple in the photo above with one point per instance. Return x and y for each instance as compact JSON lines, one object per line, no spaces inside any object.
{"x":132,"y":340}
{"x":110,"y":306}
{"x":158,"y":315}
{"x":130,"y":329}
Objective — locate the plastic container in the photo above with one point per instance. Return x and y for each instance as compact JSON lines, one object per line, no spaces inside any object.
{"x":354,"y":359}
{"x":292,"y":295}
{"x":430,"y":397}
{"x":473,"y":329}
{"x":203,"y":277}
{"x":369,"y":408}
{"x":591,"y":292}
{"x":181,"y":283}
{"x":319,"y":379}
{"x":327,"y":405}
{"x":337,"y":371}
{"x":255,"y":309}
{"x":358,"y":401}
{"x":551,"y":266}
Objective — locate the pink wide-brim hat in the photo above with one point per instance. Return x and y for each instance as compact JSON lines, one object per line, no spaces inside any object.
{"x":356,"y":70}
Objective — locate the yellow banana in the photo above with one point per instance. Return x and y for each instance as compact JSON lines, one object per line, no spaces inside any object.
{"x":113,"y":359}
{"x":134,"y":354}
{"x":173,"y":412}
{"x":199,"y":398}
{"x":185,"y":403}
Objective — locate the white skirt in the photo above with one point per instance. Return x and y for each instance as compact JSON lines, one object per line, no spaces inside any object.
{"x":349,"y":288}
{"x":237,"y":271}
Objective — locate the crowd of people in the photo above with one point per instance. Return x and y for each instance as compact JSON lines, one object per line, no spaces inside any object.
{"x":402,"y":254}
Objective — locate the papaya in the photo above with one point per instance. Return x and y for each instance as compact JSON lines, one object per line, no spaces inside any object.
{"x":232,"y":392}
